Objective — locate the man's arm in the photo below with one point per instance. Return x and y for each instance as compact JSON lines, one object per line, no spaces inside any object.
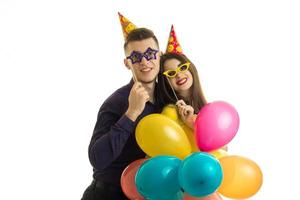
{"x":110,"y":136}
{"x":113,"y":127}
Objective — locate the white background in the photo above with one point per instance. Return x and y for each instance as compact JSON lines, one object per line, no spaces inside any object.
{"x":60,"y":59}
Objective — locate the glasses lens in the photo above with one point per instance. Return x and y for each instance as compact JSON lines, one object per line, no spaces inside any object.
{"x":150,"y":54}
{"x":135,"y":57}
{"x":172,"y":73}
{"x":183,"y":67}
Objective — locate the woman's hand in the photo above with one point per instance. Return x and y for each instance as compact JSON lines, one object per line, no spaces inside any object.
{"x":186,"y":113}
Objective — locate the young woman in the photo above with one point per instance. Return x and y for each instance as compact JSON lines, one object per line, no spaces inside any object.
{"x":178,"y":81}
{"x":179,"y":75}
{"x":179,"y":84}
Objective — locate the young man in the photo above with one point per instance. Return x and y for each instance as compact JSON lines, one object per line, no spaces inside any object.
{"x":113,"y":145}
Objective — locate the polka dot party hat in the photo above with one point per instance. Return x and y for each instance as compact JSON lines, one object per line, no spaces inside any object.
{"x":173,"y":44}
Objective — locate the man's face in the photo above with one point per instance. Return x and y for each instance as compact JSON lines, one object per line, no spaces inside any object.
{"x":144,"y":57}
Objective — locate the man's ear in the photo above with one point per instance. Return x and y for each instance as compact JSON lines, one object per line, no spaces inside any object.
{"x":126,"y":63}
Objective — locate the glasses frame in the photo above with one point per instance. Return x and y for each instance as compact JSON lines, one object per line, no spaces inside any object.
{"x":142,"y":55}
{"x":166,"y":73}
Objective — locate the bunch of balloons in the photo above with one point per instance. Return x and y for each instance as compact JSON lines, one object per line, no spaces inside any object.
{"x":190,"y":164}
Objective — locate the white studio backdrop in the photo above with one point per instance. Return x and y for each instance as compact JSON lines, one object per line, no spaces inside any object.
{"x":59,"y":60}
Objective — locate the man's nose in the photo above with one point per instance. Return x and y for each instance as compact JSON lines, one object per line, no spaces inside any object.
{"x":144,"y":61}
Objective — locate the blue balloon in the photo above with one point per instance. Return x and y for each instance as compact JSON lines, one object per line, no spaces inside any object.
{"x":157,"y":178}
{"x":200,"y":174}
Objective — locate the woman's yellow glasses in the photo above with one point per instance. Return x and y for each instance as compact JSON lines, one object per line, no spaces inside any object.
{"x":181,"y":68}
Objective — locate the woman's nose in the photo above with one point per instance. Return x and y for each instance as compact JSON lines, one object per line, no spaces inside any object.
{"x":179,"y":74}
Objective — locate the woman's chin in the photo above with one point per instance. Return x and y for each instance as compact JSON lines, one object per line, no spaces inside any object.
{"x":183,"y":88}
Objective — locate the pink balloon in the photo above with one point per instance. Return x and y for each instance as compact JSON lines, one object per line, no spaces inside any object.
{"x":213,"y":196}
{"x":128,"y":180}
{"x":216,"y":125}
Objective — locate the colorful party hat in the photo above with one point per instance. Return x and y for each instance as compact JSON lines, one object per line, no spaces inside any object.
{"x":127,"y":26}
{"x":173,"y":44}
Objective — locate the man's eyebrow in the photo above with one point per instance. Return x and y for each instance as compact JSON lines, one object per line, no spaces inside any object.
{"x":136,"y":51}
{"x":148,"y":49}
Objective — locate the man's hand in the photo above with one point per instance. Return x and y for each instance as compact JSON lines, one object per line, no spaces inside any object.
{"x":137,"y":99}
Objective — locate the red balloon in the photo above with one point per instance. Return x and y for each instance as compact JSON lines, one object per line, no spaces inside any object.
{"x":128,"y":180}
{"x":213,"y":196}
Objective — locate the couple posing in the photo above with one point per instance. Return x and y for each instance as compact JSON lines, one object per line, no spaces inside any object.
{"x":158,"y":79}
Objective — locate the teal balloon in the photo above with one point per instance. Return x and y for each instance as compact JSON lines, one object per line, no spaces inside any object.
{"x":157,"y":178}
{"x":200,"y":174}
{"x":177,"y":196}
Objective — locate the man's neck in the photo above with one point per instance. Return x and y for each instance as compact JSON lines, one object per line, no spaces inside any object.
{"x":150,"y":89}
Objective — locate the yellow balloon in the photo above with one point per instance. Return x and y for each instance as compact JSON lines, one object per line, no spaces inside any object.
{"x":242,"y":177}
{"x":171,"y":112}
{"x":191,"y":136}
{"x":157,"y":134}
{"x":219,"y":153}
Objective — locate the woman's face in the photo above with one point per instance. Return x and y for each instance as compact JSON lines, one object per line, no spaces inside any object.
{"x":183,"y":80}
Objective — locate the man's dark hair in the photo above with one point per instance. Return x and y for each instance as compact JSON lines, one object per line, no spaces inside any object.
{"x":140,"y":34}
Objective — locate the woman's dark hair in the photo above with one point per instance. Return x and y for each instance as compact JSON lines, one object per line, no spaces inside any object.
{"x":166,"y":96}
